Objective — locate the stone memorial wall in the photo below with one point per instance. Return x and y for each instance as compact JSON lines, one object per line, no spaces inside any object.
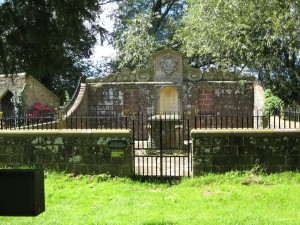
{"x":168,"y":85}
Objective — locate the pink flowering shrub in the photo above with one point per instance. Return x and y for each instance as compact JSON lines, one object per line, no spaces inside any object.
{"x":40,"y":111}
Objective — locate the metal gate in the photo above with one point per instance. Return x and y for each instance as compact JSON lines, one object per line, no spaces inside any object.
{"x":162,"y":146}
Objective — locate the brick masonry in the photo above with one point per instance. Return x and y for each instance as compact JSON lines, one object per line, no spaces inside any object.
{"x":131,"y":101}
{"x":206,"y":101}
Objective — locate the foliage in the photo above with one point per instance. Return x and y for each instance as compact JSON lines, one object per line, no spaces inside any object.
{"x":242,"y":84}
{"x":272,"y":106}
{"x":144,"y":27}
{"x":209,"y":199}
{"x":18,"y":100}
{"x":47,"y":39}
{"x":262,"y":38}
{"x":67,"y":99}
{"x":136,"y":44}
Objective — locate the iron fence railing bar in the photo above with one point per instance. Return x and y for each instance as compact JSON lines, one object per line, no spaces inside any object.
{"x":143,"y":166}
{"x":298,"y":120}
{"x":133,"y":144}
{"x":216,"y":120}
{"x":188,"y":144}
{"x":226,"y":119}
{"x":142,"y":127}
{"x":221,"y":119}
{"x":179,"y":167}
{"x":242,"y":119}
{"x":211,"y":121}
{"x":202,"y":120}
{"x":76,"y":121}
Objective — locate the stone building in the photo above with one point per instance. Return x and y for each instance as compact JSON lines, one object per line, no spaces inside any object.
{"x":21,"y":92}
{"x":167,"y":85}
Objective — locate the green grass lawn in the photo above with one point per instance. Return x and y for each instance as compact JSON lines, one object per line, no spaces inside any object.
{"x":231,"y":198}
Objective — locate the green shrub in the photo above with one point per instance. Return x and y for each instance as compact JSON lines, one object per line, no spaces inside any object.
{"x":272,"y":106}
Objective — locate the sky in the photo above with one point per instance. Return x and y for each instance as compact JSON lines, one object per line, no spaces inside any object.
{"x":107,"y":23}
{"x":103,"y":51}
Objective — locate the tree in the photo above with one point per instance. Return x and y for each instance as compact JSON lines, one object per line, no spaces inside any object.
{"x":143,"y":27}
{"x":260,"y":36}
{"x":47,"y":39}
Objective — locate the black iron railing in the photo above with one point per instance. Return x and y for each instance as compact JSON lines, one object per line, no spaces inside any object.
{"x":29,"y":122}
{"x":202,"y":120}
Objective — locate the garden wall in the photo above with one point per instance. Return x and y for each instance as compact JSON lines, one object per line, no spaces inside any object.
{"x":237,"y":149}
{"x":73,"y":151}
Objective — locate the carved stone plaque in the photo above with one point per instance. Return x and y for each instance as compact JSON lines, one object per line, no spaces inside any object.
{"x":168,"y":64}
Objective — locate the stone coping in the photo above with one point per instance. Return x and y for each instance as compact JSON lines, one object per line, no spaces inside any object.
{"x":78,"y":100}
{"x":163,"y":117}
{"x":166,"y":82}
{"x":195,"y":133}
{"x":67,"y":133}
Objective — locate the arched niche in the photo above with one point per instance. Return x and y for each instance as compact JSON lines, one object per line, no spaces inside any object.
{"x":169,"y":100}
{"x":7,"y":105}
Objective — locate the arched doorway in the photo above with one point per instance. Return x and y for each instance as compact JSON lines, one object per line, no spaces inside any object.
{"x":7,"y":105}
{"x":169,"y":101}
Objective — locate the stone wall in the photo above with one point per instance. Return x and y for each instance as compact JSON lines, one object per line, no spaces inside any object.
{"x":25,"y":92}
{"x":107,"y":102}
{"x":237,"y":149}
{"x":169,"y":85}
{"x":35,"y":92}
{"x":125,"y":98}
{"x":73,"y":151}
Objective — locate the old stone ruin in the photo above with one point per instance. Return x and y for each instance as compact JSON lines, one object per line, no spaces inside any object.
{"x":20,"y":92}
{"x":162,"y":101}
{"x":167,"y":86}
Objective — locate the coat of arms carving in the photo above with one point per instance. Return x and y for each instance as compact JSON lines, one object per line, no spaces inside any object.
{"x":168,"y":64}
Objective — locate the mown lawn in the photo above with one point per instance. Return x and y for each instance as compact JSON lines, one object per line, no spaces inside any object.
{"x":231,"y":198}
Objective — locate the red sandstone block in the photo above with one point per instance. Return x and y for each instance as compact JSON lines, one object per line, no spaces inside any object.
{"x":210,"y":96}
{"x":202,"y":96}
{"x":208,"y":91}
{"x":204,"y":107}
{"x":209,"y":102}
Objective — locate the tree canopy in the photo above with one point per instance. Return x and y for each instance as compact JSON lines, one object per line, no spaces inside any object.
{"x":143,"y":27}
{"x":259,"y":36}
{"x":47,"y":39}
